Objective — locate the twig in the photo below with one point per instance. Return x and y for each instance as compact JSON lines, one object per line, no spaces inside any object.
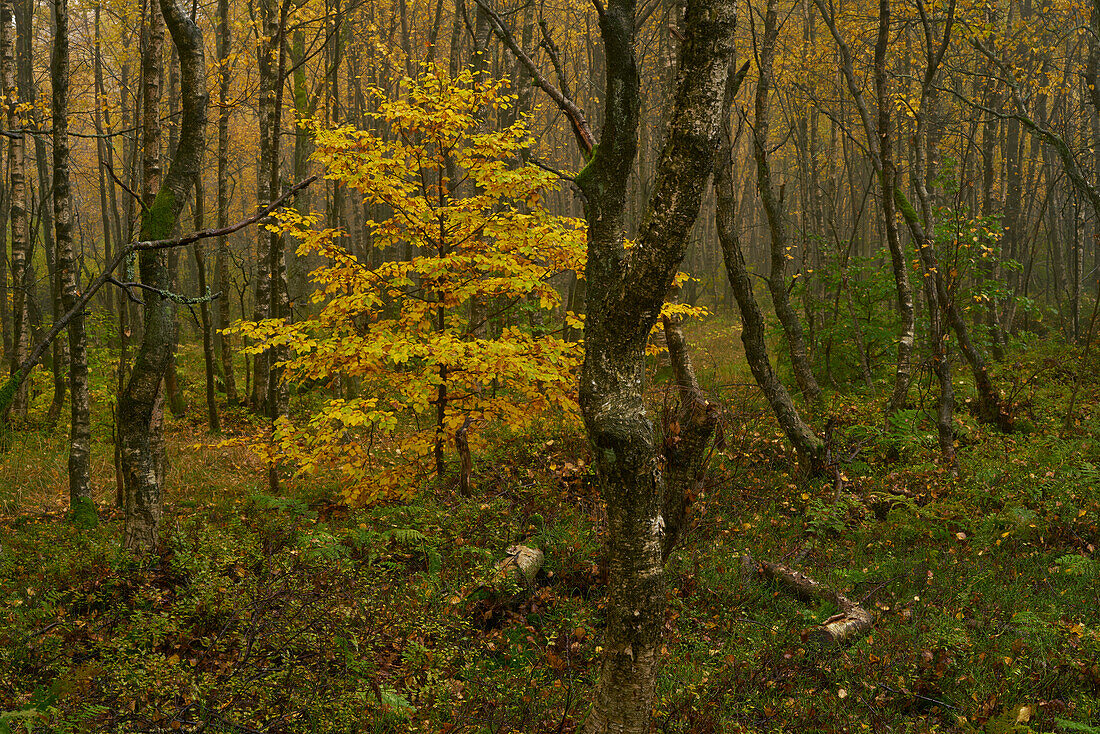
{"x":9,"y":388}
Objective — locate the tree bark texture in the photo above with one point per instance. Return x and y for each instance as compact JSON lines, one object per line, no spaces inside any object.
{"x":273,"y":70}
{"x":625,"y":293}
{"x":68,"y":268}
{"x":139,"y":429}
{"x":17,"y":215}
{"x":775,"y":209}
{"x":810,"y":448}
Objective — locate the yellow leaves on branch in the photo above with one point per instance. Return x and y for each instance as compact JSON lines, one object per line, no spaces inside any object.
{"x":452,"y":303}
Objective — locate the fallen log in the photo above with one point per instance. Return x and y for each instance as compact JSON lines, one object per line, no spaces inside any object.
{"x":851,"y":622}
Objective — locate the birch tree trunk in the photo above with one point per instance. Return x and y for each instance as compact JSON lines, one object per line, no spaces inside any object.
{"x":272,"y":72}
{"x":68,"y":268}
{"x":18,"y":204}
{"x":625,"y":292}
{"x":139,"y":404}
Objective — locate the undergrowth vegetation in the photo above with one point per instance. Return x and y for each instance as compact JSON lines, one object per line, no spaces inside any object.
{"x":296,"y":613}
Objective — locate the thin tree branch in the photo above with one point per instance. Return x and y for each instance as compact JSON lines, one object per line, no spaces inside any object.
{"x":581,"y":129}
{"x":11,"y":385}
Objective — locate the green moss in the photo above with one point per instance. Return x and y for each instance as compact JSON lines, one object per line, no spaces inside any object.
{"x":160,"y":218}
{"x":7,"y":392}
{"x":906,"y":208}
{"x":584,"y":178}
{"x":83,"y":513}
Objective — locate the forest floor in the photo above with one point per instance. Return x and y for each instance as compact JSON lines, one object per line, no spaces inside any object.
{"x":296,"y":614}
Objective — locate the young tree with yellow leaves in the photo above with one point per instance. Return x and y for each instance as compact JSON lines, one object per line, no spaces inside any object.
{"x":404,"y":332}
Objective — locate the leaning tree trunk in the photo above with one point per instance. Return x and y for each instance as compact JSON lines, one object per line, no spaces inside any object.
{"x":139,"y":403}
{"x":774,"y":208}
{"x":80,"y":433}
{"x":625,"y":292}
{"x":810,"y":448}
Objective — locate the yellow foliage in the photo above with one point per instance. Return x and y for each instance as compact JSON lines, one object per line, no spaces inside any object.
{"x":400,"y":332}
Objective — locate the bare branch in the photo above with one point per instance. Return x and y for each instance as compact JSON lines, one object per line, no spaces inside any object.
{"x":12,"y":384}
{"x":581,"y":129}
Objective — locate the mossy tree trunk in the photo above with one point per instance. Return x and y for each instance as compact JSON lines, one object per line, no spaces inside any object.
{"x":139,"y":425}
{"x":625,"y":291}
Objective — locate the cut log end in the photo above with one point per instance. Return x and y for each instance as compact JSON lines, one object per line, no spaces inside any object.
{"x":851,"y":623}
{"x":521,"y":566}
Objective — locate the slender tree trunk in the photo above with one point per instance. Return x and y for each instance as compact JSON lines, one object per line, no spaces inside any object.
{"x":40,"y":214}
{"x":879,"y":146}
{"x":18,"y":206}
{"x":221,"y":264}
{"x":268,"y":67}
{"x":775,"y":209}
{"x":68,"y":267}
{"x":273,"y":70}
{"x":5,"y":208}
{"x":204,"y":311}
{"x":810,"y":448}
{"x":102,"y":158}
{"x":887,"y":175}
{"x":139,"y":427}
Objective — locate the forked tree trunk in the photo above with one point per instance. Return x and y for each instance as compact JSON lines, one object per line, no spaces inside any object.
{"x":139,"y":405}
{"x":775,"y":209}
{"x":810,"y":448}
{"x":625,"y":292}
